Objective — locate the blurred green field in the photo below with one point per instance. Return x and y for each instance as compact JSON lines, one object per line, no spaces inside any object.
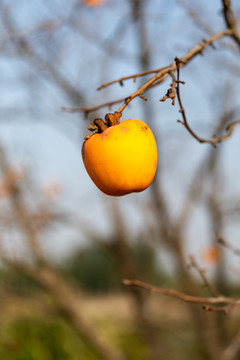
{"x":31,"y":330}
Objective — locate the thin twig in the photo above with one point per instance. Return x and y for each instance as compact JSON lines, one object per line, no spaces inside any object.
{"x":227,"y":245}
{"x":202,"y":273}
{"x":173,"y":67}
{"x":161,"y":74}
{"x":171,"y":92}
{"x":231,"y":20}
{"x":87,"y":110}
{"x":134,"y":77}
{"x":221,"y":300}
{"x":108,"y":104}
{"x":215,"y":139}
{"x":224,"y":309}
{"x":165,"y":71}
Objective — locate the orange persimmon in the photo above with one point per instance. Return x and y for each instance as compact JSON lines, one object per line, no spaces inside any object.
{"x":93,"y":3}
{"x":122,"y":158}
{"x":211,"y":255}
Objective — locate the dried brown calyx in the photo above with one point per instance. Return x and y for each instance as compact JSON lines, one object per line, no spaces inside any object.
{"x":99,"y":126}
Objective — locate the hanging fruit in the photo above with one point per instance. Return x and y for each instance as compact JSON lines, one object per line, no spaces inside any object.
{"x":120,"y":157}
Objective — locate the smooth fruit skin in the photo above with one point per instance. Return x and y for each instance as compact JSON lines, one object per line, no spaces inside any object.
{"x":122,"y":159}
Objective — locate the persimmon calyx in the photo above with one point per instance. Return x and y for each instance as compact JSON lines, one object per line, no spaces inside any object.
{"x":112,"y":119}
{"x":99,"y":126}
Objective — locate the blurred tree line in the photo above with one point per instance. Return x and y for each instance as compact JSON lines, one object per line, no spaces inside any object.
{"x":94,"y":270}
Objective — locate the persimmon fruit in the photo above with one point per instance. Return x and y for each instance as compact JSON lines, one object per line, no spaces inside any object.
{"x":121,"y":158}
{"x":93,"y":3}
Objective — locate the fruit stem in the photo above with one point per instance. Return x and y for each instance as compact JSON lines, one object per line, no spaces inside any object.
{"x":113,"y":119}
{"x":101,"y":126}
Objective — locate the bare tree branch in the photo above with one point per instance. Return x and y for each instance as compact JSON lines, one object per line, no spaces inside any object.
{"x":231,"y":20}
{"x":87,"y":110}
{"x":215,"y":140}
{"x":227,"y":245}
{"x":166,"y":71}
{"x":202,"y":273}
{"x":219,"y":300}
